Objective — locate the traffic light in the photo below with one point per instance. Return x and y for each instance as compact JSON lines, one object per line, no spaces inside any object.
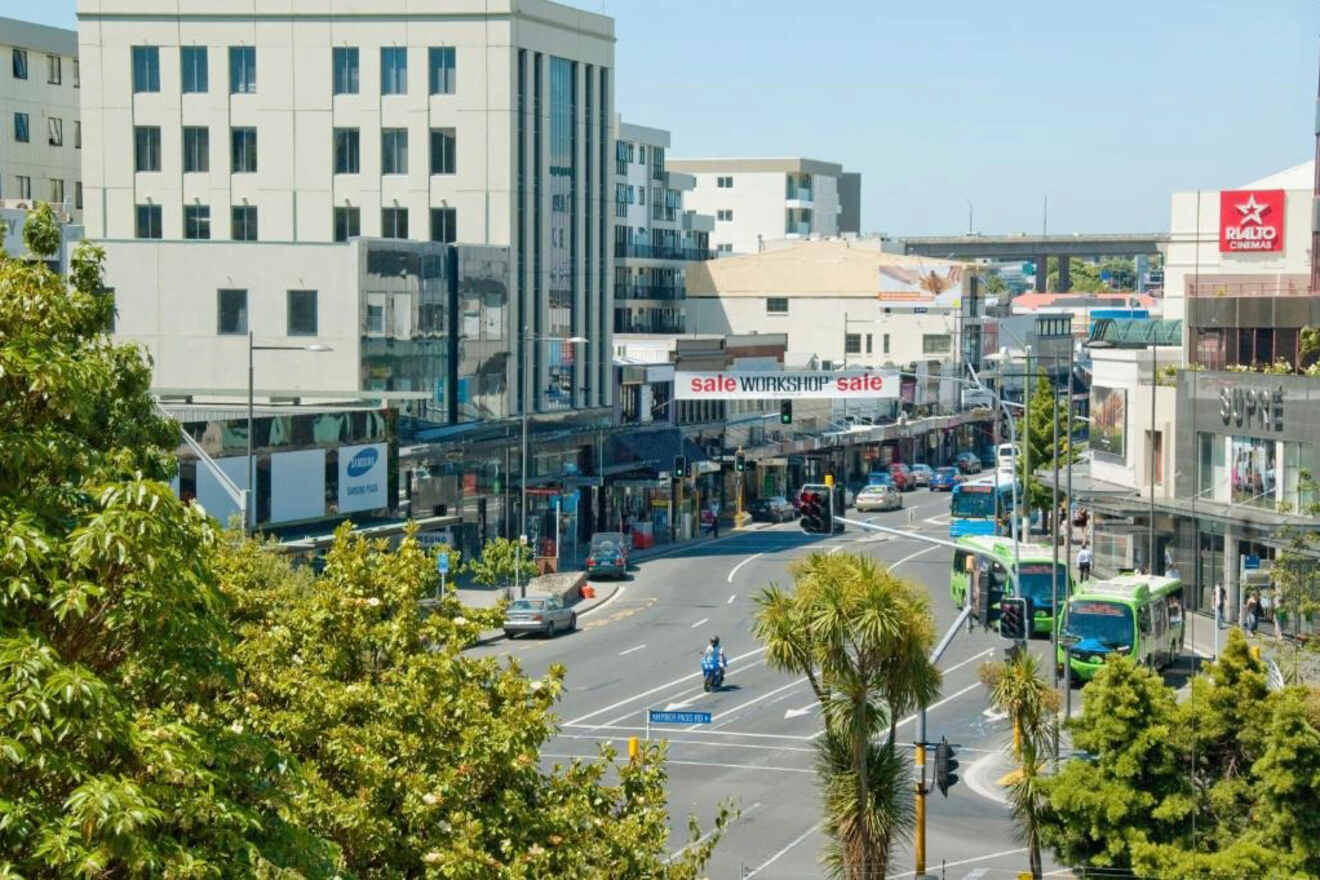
{"x":1013,"y":618}
{"x":739,"y":463}
{"x":785,"y":412}
{"x":680,"y":466}
{"x":945,"y":763}
{"x":815,"y":512}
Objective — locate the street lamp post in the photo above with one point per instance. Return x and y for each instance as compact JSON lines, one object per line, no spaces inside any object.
{"x":249,"y":511}
{"x":522,"y":510}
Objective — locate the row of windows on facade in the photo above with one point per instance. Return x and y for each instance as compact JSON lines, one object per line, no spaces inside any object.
{"x":194,"y":70}
{"x":54,"y":68}
{"x":345,"y":145}
{"x":54,"y":130}
{"x":931,"y":343}
{"x":232,"y":312}
{"x":624,"y":152}
{"x":24,"y":190}
{"x":347,"y":222}
{"x":665,"y":203}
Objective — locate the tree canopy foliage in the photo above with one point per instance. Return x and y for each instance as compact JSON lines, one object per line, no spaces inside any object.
{"x":1039,"y":428}
{"x":1223,"y":784}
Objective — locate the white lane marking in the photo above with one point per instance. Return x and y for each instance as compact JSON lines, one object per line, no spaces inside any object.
{"x":731,"y":598}
{"x":932,"y":707}
{"x":795,"y":713}
{"x":971,"y":659}
{"x":937,"y":520}
{"x":834,"y":550}
{"x":915,"y":555}
{"x":683,"y":704}
{"x":703,"y":620}
{"x":660,"y":687}
{"x":994,"y":715}
{"x":998,"y":855}
{"x":753,"y":701}
{"x":705,"y":837}
{"x":630,"y":650}
{"x":630,"y":728}
{"x":741,"y":564}
{"x":687,"y":692}
{"x":758,"y":747}
{"x":774,"y":858}
{"x":617,"y":593}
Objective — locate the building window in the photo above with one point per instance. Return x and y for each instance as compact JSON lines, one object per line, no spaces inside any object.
{"x":54,"y":72}
{"x":77,"y":195}
{"x":724,"y":182}
{"x":394,"y":151}
{"x":724,"y":215}
{"x":348,"y":223}
{"x":868,"y":343}
{"x":77,"y":76}
{"x":148,"y":221}
{"x":192,"y":69}
{"x":231,"y":312}
{"x":242,"y":70}
{"x":196,"y":148}
{"x":146,"y":69}
{"x":885,"y":343}
{"x":394,"y":222}
{"x":77,"y":134}
{"x":197,"y":221}
{"x":442,"y":151}
{"x":393,"y":70}
{"x":24,"y":186}
{"x":347,"y":151}
{"x":641,"y":195}
{"x":375,"y":322}
{"x":20,"y":64}
{"x":345,"y":63}
{"x":440,"y":64}
{"x":56,"y":190}
{"x":444,"y":224}
{"x":724,"y":248}
{"x":243,"y":223}
{"x":776,"y":305}
{"x":55,"y":131}
{"x":852,"y":343}
{"x":243,"y":150}
{"x":146,"y":148}
{"x":936,"y":343}
{"x":302,"y":312}
{"x":21,"y":132}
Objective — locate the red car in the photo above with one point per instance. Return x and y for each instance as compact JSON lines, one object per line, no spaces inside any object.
{"x":903,"y":477}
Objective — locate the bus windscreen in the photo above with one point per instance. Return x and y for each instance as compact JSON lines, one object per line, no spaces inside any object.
{"x":1038,"y":583}
{"x":976,"y":501}
{"x":1108,"y":623}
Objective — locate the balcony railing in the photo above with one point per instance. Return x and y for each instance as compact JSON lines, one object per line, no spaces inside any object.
{"x":649,"y":291}
{"x":660,"y":252}
{"x":797,"y":228}
{"x":657,"y":325}
{"x":1269,"y":286}
{"x":801,"y":193}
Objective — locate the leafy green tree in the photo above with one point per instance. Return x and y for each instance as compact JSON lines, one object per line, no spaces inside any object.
{"x":502,"y":562}
{"x":1038,"y":432}
{"x":1296,"y":570}
{"x":421,"y":760}
{"x":1017,"y":689}
{"x":994,"y":284}
{"x":113,"y":649}
{"x":862,"y":638}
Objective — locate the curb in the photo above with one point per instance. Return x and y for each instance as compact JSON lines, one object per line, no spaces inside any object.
{"x":581,"y":607}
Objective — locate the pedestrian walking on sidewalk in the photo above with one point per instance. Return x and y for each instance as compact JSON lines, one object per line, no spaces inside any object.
{"x":1084,"y":562}
{"x":1221,"y":599}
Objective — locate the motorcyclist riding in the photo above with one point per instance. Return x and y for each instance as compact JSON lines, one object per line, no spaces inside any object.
{"x":714,"y":649}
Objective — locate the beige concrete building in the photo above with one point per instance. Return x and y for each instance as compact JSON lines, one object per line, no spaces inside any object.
{"x":40,"y":121}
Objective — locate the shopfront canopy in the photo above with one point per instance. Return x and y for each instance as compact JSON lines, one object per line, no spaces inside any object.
{"x":650,"y":450}
{"x":1134,"y":332}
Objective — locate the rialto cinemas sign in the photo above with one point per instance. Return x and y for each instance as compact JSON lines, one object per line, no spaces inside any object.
{"x":1250,"y":220}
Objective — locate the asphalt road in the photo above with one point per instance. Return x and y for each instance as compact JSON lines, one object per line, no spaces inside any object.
{"x":642,"y":650}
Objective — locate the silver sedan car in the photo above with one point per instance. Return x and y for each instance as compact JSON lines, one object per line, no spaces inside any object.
{"x":545,"y":615}
{"x":875,"y":497}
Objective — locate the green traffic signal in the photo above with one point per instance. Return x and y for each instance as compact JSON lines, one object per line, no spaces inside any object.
{"x":786,"y":412}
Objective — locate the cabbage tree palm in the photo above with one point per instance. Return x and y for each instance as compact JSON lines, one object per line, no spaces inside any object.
{"x":862,"y":638}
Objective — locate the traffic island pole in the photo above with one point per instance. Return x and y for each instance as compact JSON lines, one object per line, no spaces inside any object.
{"x":920,"y":842}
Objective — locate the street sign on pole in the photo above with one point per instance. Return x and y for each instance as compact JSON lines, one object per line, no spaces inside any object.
{"x":442,"y":567}
{"x":658,"y":716}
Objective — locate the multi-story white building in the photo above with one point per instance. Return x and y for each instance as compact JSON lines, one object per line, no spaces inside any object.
{"x":654,"y":237}
{"x":755,"y":201}
{"x":40,"y":121}
{"x":268,"y":139}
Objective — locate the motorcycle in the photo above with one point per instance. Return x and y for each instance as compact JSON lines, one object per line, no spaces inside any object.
{"x":712,"y":672}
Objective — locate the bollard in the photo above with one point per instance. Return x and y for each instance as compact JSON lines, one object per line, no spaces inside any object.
{"x":634,"y":748}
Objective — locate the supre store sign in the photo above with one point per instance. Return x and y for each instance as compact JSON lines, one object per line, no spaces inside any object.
{"x":753,"y":385}
{"x":1250,"y":220}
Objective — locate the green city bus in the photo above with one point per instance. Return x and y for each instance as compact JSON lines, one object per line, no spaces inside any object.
{"x":1134,"y":615}
{"x":1037,"y":575}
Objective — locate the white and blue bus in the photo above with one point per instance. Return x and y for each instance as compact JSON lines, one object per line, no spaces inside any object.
{"x":976,"y":506}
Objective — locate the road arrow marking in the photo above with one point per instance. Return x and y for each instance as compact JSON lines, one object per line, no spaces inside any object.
{"x":674,"y":707}
{"x":795,"y":713}
{"x":703,"y":620}
{"x":994,"y":715}
{"x":731,"y":598}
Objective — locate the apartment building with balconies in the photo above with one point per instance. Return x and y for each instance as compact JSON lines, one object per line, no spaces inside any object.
{"x":655,"y":236}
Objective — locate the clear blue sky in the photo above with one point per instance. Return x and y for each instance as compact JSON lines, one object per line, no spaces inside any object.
{"x":1106,"y":107}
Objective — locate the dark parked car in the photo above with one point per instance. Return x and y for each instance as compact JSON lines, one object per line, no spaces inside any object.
{"x":944,"y":479}
{"x":608,"y":555}
{"x":968,"y":462}
{"x":922,"y":474}
{"x":774,"y":509}
{"x":903,"y":477}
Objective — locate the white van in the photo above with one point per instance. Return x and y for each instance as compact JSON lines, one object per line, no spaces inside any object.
{"x":1004,"y":457}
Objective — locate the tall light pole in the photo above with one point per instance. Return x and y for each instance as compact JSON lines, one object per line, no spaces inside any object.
{"x":528,"y":338}
{"x":249,"y":510}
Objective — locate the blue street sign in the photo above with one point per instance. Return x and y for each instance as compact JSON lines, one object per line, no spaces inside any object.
{"x":442,"y":563}
{"x":659,"y":717}
{"x":1251,"y":562}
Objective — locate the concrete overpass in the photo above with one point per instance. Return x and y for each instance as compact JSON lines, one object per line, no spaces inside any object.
{"x":1037,"y":248}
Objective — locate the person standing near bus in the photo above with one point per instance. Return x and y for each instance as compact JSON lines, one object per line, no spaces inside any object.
{"x":1084,"y":562}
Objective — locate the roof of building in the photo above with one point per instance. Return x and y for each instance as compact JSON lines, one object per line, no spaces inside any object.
{"x":1033,"y":301}
{"x":1300,"y":176}
{"x":796,"y":164}
{"x":29,"y":35}
{"x":828,"y":267}
{"x":1135,"y":332}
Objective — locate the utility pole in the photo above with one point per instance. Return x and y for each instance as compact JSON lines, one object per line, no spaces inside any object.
{"x":1026,"y":446}
{"x":1054,"y":539}
{"x":1154,"y":376}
